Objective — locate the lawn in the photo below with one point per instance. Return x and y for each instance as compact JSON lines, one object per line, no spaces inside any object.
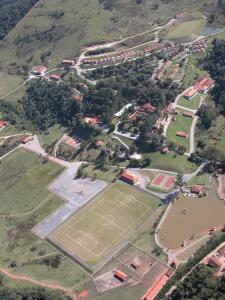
{"x":52,"y":135}
{"x":192,"y":103}
{"x":101,"y":226}
{"x":24,"y":177}
{"x":187,"y":29}
{"x":180,"y":124}
{"x":192,"y":71}
{"x":190,"y":217}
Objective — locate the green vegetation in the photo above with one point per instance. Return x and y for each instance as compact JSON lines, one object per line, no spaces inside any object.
{"x":23,"y":187}
{"x":180,"y":123}
{"x":116,"y":212}
{"x":191,"y":29}
{"x":193,"y":71}
{"x":192,"y":103}
{"x":51,"y":135}
{"x":107,"y":173}
{"x":29,"y":293}
{"x":196,"y":285}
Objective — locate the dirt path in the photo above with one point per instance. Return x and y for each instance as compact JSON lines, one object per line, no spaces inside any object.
{"x":68,"y":291}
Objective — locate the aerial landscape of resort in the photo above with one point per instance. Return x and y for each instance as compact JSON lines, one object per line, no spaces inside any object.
{"x":112,"y":149}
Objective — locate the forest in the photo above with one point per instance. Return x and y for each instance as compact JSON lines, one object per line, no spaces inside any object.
{"x":11,"y":12}
{"x":7,"y":293}
{"x":202,"y":284}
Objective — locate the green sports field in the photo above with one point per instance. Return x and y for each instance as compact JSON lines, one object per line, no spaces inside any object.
{"x":93,"y":233}
{"x":24,"y":177}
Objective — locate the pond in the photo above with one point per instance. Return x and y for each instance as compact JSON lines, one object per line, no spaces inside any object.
{"x":211,"y":30}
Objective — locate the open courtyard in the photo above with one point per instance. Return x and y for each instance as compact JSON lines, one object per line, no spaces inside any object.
{"x":100,"y":227}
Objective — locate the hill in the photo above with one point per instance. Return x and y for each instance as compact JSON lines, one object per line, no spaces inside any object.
{"x":59,"y":28}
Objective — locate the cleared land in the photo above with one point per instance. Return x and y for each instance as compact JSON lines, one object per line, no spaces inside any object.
{"x":187,"y":29}
{"x":190,"y":217}
{"x":192,"y":103}
{"x":181,"y":123}
{"x":24,"y":177}
{"x":106,"y":222}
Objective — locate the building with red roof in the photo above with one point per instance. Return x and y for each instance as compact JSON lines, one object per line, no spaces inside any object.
{"x":197,"y":189}
{"x":165,"y":149}
{"x":92,"y":121}
{"x":191,"y":92}
{"x":214,"y":262}
{"x":188,"y":114}
{"x":120,"y":275}
{"x":83,"y":294}
{"x":99,"y":144}
{"x":55,"y":77}
{"x":3,"y":123}
{"x":78,"y":97}
{"x":147,"y":108}
{"x":27,"y":139}
{"x":182,"y":134}
{"x":39,"y":70}
{"x":130,"y":177}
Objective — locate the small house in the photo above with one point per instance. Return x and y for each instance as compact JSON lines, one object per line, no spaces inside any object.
{"x":27,"y":139}
{"x":120,"y":275}
{"x":188,"y":114}
{"x":55,"y":77}
{"x":197,"y":189}
{"x":129,"y":177}
{"x":182,"y":134}
{"x":39,"y":70}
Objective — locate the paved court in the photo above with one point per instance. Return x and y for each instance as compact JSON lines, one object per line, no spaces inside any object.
{"x":76,"y":192}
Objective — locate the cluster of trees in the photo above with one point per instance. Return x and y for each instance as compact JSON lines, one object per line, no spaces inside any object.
{"x":129,"y":83}
{"x":201,"y":283}
{"x":11,"y":12}
{"x":215,"y":64}
{"x":7,"y":293}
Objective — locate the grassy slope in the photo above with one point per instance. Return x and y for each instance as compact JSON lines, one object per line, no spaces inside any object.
{"x":15,"y":235}
{"x":23,"y":187}
{"x":189,"y":28}
{"x":83,"y":21}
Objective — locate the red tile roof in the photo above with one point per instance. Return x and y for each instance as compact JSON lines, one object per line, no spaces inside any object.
{"x":182,"y":134}
{"x":3,"y":123}
{"x":197,"y":189}
{"x":121,"y":275}
{"x":55,"y":76}
{"x":156,"y":287}
{"x":130,"y":177}
{"x":188,"y":114}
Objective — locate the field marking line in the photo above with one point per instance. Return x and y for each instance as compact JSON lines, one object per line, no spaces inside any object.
{"x":108,"y":220}
{"x":79,"y":245}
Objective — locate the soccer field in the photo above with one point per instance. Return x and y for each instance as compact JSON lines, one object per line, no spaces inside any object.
{"x":93,"y":233}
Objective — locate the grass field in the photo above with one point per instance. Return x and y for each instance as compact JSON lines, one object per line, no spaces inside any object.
{"x":99,"y":227}
{"x":190,"y":217}
{"x":192,"y":103}
{"x":24,"y":177}
{"x":192,"y":71}
{"x":187,"y":29}
{"x":180,"y":124}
